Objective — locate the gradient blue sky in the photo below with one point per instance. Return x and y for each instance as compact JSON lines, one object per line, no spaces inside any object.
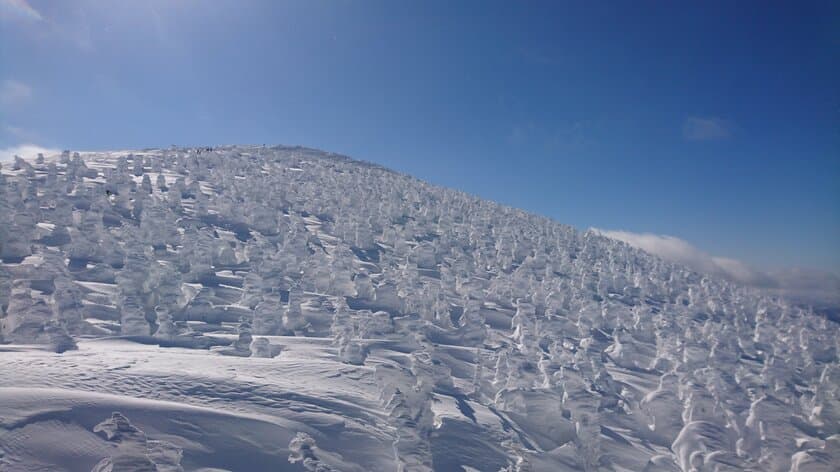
{"x":718,"y":123}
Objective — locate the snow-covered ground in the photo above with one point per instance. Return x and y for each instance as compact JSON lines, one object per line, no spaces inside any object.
{"x":251,"y":308}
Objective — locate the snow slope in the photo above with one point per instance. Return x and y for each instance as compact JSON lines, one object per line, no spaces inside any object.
{"x":252,"y":308}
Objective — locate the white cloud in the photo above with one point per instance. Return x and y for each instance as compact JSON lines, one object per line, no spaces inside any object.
{"x":802,"y":285}
{"x":18,"y":10}
{"x":820,"y":288}
{"x":26,"y":151}
{"x":697,"y":128}
{"x":13,"y":92}
{"x":680,"y":251}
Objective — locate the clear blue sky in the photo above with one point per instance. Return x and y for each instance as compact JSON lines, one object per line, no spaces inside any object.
{"x":718,"y":123}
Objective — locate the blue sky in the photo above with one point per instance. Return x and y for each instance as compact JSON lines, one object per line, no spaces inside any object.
{"x":716,"y":123}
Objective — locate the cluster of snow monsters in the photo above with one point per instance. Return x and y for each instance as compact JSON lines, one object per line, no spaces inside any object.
{"x":184,"y":244}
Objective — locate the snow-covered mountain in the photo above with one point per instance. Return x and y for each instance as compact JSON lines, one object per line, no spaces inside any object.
{"x":253,"y":308}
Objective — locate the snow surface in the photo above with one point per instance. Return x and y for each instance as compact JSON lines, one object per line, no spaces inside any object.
{"x":251,"y":308}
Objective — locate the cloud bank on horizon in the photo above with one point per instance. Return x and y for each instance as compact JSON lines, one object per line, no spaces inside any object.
{"x":26,"y":151}
{"x":802,"y":285}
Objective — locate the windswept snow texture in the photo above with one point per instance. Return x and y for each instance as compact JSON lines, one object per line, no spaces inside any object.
{"x":270,"y":309}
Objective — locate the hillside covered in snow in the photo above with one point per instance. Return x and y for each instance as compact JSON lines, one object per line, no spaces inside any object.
{"x":253,"y":308}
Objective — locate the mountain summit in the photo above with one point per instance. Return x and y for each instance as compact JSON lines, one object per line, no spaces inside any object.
{"x":255,"y":308}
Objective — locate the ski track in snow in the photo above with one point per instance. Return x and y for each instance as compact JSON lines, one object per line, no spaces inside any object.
{"x":252,"y":308}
